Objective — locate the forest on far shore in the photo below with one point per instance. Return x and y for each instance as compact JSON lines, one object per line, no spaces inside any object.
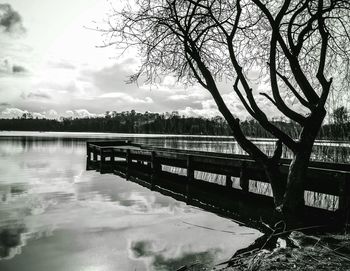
{"x":170,"y":123}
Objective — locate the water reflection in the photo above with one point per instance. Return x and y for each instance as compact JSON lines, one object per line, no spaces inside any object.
{"x":158,"y":259}
{"x":197,"y":261}
{"x":56,"y":216}
{"x":8,"y":192}
{"x":323,"y":150}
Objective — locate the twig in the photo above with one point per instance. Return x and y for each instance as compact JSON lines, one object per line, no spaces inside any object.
{"x":212,"y":229}
{"x":299,"y":229}
{"x":234,"y":259}
{"x":336,"y":253}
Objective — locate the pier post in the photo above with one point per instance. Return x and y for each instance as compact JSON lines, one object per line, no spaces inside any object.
{"x":229,"y":182}
{"x":112,"y":155}
{"x":102,"y":160}
{"x":155,"y":166}
{"x":243,"y":179}
{"x":344,"y":199}
{"x":94,"y":154}
{"x":128,"y":164}
{"x":190,"y":177}
{"x":88,"y":156}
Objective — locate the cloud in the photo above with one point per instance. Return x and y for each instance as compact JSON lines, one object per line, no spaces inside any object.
{"x":35,"y":95}
{"x":81,"y":113}
{"x":4,"y":104}
{"x":10,"y":20}
{"x":208,"y":108}
{"x":6,"y":66}
{"x":51,"y":114}
{"x":65,"y":84}
{"x":37,"y":115}
{"x":111,"y":78}
{"x":178,"y":97}
{"x":204,"y":112}
{"x":123,"y":97}
{"x":10,"y":113}
{"x":18,"y":69}
{"x":60,"y":64}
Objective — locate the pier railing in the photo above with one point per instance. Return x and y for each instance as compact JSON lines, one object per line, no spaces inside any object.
{"x":111,"y":156}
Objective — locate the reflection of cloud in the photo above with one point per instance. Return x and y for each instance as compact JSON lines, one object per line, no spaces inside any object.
{"x":159,"y":259}
{"x":201,"y":260}
{"x":144,"y":248}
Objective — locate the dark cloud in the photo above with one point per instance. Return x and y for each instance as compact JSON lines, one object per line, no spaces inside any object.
{"x":4,"y":104}
{"x":7,"y":67}
{"x":10,"y":20}
{"x":18,"y":69}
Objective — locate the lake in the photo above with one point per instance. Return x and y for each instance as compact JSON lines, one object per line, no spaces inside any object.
{"x":55,"y":215}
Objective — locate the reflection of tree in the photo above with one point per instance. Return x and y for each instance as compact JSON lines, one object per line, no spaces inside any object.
{"x":340,"y":115}
{"x":11,"y":239}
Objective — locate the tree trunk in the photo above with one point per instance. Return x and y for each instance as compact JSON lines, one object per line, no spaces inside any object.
{"x":293,"y":202}
{"x":278,"y":184}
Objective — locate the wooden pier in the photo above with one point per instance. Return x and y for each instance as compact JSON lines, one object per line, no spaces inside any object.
{"x":145,"y":165}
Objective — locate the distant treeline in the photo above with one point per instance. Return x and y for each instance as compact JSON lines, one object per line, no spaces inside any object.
{"x":167,"y":123}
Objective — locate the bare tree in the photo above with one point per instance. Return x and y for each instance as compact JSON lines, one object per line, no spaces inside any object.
{"x":301,"y":47}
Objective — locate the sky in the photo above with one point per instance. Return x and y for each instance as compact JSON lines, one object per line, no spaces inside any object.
{"x":51,"y":65}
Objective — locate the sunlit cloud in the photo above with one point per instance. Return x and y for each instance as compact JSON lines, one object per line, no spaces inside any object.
{"x":12,"y":113}
{"x":81,"y":113}
{"x":123,"y":97}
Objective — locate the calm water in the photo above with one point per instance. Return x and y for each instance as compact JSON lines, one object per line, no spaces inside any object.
{"x":54,"y":215}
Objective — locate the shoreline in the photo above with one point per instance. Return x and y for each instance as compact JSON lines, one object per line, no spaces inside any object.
{"x":321,"y":252}
{"x":107,"y":135}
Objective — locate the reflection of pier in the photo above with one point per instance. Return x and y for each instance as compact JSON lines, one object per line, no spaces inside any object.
{"x":148,"y":166}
